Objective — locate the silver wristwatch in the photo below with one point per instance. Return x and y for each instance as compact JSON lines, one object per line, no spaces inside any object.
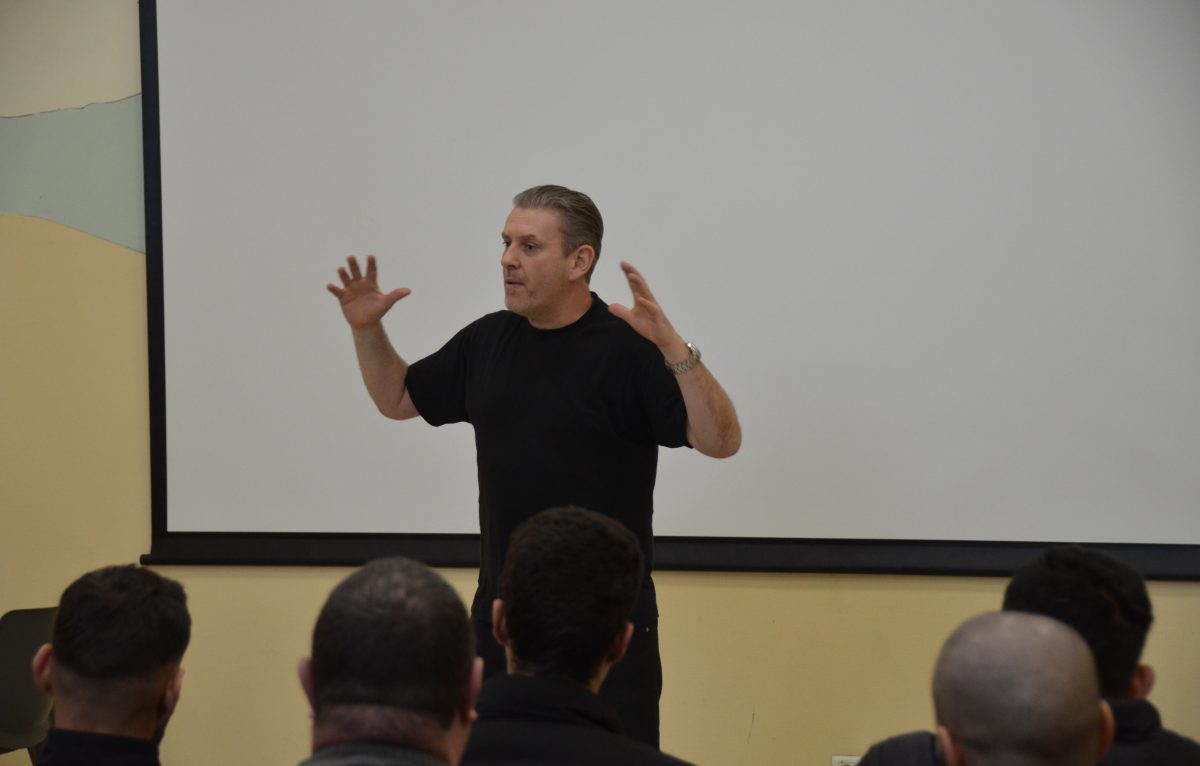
{"x":681,"y":367}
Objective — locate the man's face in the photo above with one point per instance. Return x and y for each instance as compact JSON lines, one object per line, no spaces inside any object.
{"x":537,"y":273}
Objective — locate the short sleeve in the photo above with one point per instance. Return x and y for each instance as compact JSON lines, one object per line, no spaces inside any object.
{"x":437,"y":384}
{"x":663,"y":403}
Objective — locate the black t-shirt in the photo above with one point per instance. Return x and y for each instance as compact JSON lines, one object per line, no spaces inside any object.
{"x":570,"y":416}
{"x":82,"y":748}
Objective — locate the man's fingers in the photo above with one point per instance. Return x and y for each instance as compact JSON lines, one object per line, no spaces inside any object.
{"x":354,"y":270}
{"x":637,"y":283}
{"x":371,"y":270}
{"x":397,"y":294}
{"x":345,"y":277}
{"x":622,"y":312}
{"x":648,"y":305}
{"x":337,"y":291}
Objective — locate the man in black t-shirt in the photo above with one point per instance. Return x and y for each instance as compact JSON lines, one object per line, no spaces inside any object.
{"x":570,"y":399}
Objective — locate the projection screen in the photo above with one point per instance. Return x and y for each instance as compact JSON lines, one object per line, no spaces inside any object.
{"x":945,"y":258}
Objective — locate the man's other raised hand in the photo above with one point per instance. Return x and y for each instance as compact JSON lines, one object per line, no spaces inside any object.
{"x":647,"y":317}
{"x":362,"y":302}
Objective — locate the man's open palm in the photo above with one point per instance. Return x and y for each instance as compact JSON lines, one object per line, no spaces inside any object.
{"x":362,"y":302}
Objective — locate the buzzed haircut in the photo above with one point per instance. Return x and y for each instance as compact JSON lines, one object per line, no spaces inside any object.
{"x":393,"y":634}
{"x":1016,"y":688}
{"x":1100,"y":596}
{"x":120,"y":622}
{"x":569,"y":585}
{"x":578,"y":216}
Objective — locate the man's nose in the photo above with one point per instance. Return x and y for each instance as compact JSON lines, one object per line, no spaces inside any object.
{"x":508,"y":258}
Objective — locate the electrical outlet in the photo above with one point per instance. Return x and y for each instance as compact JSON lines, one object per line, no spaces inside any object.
{"x":846,"y":760}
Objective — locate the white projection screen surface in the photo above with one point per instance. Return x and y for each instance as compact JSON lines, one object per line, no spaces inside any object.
{"x":944,"y":256}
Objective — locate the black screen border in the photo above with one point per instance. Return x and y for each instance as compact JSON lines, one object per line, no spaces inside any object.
{"x":923,"y":557}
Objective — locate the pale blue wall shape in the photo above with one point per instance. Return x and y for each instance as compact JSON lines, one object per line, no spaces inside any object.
{"x":78,"y":167}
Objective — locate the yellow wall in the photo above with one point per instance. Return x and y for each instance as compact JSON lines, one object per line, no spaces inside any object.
{"x":759,"y":668}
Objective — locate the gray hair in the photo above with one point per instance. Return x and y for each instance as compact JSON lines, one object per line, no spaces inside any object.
{"x":579,"y":217}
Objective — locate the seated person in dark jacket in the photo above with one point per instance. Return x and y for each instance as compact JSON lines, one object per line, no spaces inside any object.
{"x":1106,"y":601}
{"x":393,"y":676}
{"x":1015,"y":689}
{"x":112,"y":667}
{"x":567,"y":591}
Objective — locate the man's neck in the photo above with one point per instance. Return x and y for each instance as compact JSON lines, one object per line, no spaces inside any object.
{"x":570,"y":311}
{"x":326,"y":736}
{"x":593,"y":684}
{"x":133,"y":726}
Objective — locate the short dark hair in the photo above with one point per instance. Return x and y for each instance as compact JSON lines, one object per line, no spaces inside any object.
{"x":570,"y":581}
{"x":393,"y":634}
{"x":121,"y":622}
{"x":1098,"y":595}
{"x":579,"y":217}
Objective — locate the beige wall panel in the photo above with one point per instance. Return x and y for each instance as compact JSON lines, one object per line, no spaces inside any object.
{"x":62,"y":54}
{"x":74,"y":453}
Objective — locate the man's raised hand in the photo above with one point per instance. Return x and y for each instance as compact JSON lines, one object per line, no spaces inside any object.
{"x":362,"y":302}
{"x":647,"y":317}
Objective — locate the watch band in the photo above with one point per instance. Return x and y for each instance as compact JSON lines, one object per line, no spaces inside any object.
{"x":693,"y":359}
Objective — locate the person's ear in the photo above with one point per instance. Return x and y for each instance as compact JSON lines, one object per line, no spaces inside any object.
{"x":951,"y":752}
{"x":43,"y":666}
{"x":620,"y":645}
{"x":1108,"y":730}
{"x":499,"y":623}
{"x":1142,"y":682}
{"x":171,"y":693}
{"x":582,"y":260}
{"x":304,"y":671}
{"x":471,"y":691}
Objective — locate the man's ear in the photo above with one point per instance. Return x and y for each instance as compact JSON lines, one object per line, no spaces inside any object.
{"x":471,"y":691}
{"x":620,"y":645}
{"x":304,"y":671}
{"x":171,"y":693}
{"x":581,"y":261}
{"x":951,"y":752}
{"x":43,"y":666}
{"x":1108,"y":730}
{"x":1142,"y":682}
{"x":499,"y":623}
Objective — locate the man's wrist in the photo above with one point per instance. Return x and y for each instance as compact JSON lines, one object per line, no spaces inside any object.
{"x":367,"y":328}
{"x":676,"y":351}
{"x":693,"y":359}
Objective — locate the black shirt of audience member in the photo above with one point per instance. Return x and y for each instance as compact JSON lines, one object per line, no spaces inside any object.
{"x":80,"y":748}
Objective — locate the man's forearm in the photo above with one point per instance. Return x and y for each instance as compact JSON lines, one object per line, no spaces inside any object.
{"x":713,"y":427}
{"x":383,"y":371}
{"x":712,"y":423}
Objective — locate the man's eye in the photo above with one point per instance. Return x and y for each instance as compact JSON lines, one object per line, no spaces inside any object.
{"x":529,"y":247}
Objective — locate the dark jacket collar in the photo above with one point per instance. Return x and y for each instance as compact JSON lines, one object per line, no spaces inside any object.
{"x":1136,"y":719}
{"x":536,"y":698}
{"x":81,"y":747}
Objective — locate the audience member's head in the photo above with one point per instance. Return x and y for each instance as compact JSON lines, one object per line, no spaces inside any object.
{"x":1017,"y":689}
{"x":393,"y":662}
{"x":1101,"y":597}
{"x":570,"y":581}
{"x":112,"y":666}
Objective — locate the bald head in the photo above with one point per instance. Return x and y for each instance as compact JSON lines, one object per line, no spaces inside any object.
{"x":1019,"y":689}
